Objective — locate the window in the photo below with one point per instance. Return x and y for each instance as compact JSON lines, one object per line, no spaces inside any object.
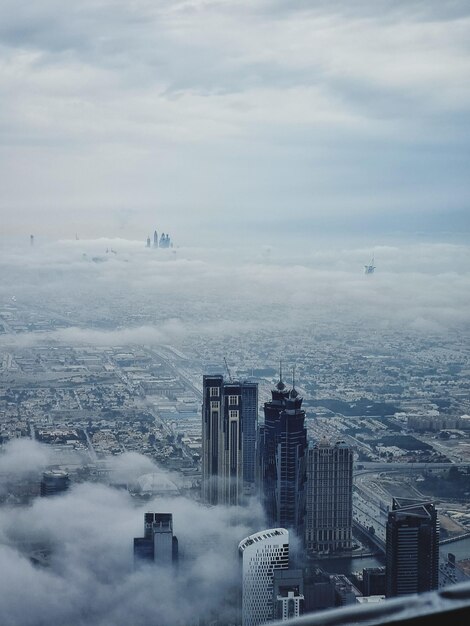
{"x":232,"y":400}
{"x":233,"y":414}
{"x":214,"y":391}
{"x":215,"y":405}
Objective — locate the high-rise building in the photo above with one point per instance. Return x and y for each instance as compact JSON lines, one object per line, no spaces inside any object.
{"x":54,"y":482}
{"x":229,"y":423}
{"x":155,"y":239}
{"x":373,"y":581}
{"x":148,"y":241}
{"x":158,"y":543}
{"x":412,"y":548}
{"x":261,"y":554}
{"x":288,"y":594}
{"x":284,"y":459}
{"x":329,"y":497}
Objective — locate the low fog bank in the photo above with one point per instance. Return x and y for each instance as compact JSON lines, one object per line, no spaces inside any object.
{"x":134,"y":295}
{"x":90,"y":577}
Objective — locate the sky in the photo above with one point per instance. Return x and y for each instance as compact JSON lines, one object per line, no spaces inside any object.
{"x":234,"y":118}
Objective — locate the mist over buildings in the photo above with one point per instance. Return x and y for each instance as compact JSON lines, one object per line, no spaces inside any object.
{"x":90,"y":576}
{"x":283,"y":145}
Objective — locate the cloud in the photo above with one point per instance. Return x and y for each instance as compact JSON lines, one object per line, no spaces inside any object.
{"x":190,"y":110}
{"x":142,"y":297}
{"x":89,"y":531}
{"x":23,"y":456}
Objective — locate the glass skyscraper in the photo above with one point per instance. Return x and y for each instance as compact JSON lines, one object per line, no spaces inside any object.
{"x":229,"y":425}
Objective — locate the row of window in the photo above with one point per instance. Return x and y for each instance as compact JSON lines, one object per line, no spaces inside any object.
{"x":215,"y":393}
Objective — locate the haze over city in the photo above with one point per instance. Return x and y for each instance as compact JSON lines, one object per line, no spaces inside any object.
{"x":203,"y":199}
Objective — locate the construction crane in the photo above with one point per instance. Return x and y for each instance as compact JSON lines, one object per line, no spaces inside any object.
{"x":228,"y":370}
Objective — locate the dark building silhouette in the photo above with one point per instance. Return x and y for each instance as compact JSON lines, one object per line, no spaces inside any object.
{"x":148,"y":241}
{"x":329,"y":497}
{"x":158,"y":543}
{"x":283,"y":462}
{"x":54,"y":482}
{"x":373,"y":581}
{"x":412,"y":548}
{"x":229,"y":424}
{"x":318,"y":589}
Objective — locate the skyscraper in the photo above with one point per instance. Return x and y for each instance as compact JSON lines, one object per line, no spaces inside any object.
{"x":158,"y":543}
{"x":54,"y":482}
{"x":412,"y":548}
{"x":155,"y":239}
{"x":284,"y":459}
{"x":261,"y":554}
{"x":329,"y":497}
{"x":229,"y":421}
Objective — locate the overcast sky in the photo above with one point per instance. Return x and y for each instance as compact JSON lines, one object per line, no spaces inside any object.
{"x":117,"y":115}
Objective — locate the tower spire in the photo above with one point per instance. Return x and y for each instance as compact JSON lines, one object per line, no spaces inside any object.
{"x":280,"y":385}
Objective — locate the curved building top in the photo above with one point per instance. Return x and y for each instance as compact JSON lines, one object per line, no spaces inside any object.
{"x":262,"y":535}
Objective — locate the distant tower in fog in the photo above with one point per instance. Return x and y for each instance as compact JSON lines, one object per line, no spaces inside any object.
{"x":155,"y":239}
{"x":158,"y":543}
{"x":229,"y":422}
{"x":31,"y":240}
{"x":54,"y":482}
{"x":148,"y":241}
{"x":369,"y":269}
{"x":329,"y":497}
{"x":261,"y":554}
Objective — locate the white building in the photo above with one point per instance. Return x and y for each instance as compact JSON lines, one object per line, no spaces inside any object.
{"x":261,"y":554}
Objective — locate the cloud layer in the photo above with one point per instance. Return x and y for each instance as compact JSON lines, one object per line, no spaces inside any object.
{"x":91,"y":579}
{"x":195,"y":110}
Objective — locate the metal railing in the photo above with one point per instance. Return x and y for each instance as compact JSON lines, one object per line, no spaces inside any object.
{"x":426,"y":609}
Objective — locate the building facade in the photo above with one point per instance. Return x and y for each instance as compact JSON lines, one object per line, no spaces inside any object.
{"x":288,"y":594}
{"x":261,"y":554}
{"x":283,"y":461}
{"x":229,"y":425}
{"x":54,"y":482}
{"x":412,"y":548}
{"x":158,"y":543}
{"x":329,"y":498}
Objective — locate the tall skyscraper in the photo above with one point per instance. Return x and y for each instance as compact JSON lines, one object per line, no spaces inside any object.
{"x":329,"y":497}
{"x":54,"y":482}
{"x":284,"y":459}
{"x":158,"y":543}
{"x":229,"y":422}
{"x":155,"y":239}
{"x":261,"y":554}
{"x":412,"y":548}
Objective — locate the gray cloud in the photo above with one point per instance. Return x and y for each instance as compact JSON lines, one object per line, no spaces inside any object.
{"x":114,"y":109}
{"x":23,"y":456}
{"x":91,"y":580}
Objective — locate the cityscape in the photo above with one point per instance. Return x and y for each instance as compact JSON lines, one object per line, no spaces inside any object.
{"x":305,"y":458}
{"x":234,"y":313}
